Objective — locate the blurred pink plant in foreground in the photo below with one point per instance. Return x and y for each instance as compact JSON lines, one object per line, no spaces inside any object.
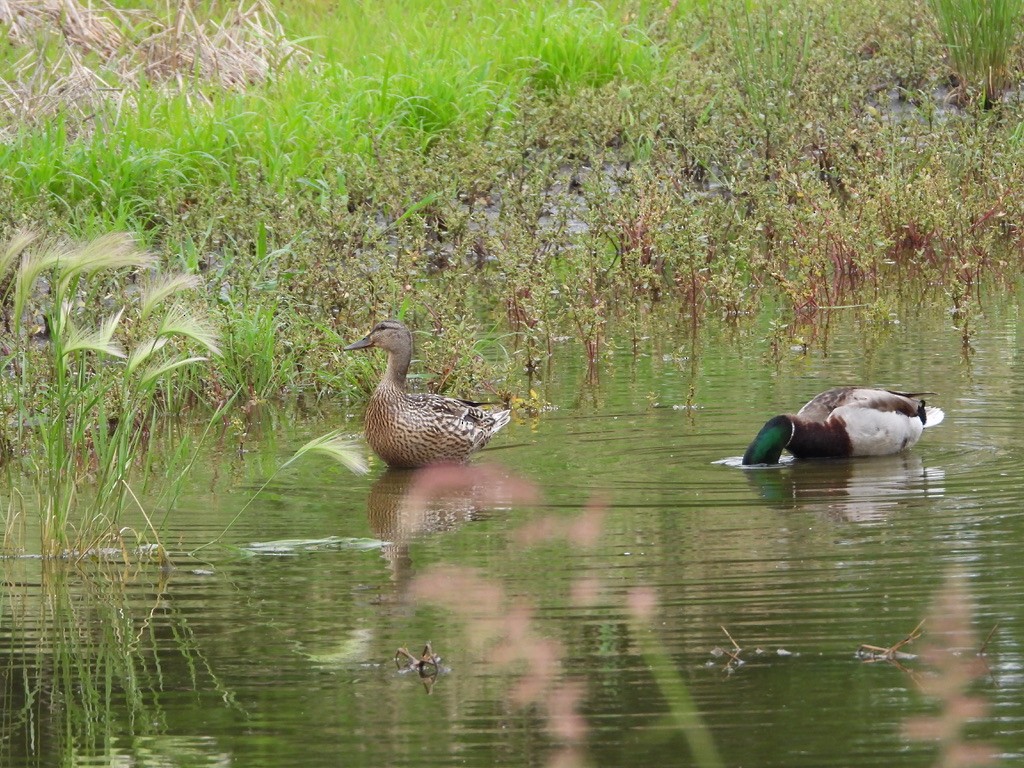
{"x":955,"y":664}
{"x":503,"y":628}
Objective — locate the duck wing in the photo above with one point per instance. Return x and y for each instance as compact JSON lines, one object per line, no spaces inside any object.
{"x":461,"y":414}
{"x":821,"y":407}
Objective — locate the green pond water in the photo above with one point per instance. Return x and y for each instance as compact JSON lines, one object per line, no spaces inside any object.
{"x":275,"y":648}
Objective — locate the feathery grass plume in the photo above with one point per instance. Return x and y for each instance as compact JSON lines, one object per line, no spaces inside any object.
{"x":180,"y":322}
{"x":15,"y":248}
{"x":143,"y":351}
{"x":980,"y":36}
{"x":161,"y":287}
{"x":111,"y":251}
{"x":33,"y":264}
{"x":502,"y":626}
{"x":335,"y":445}
{"x":83,"y":424}
{"x":154,"y":372}
{"x":99,"y":340}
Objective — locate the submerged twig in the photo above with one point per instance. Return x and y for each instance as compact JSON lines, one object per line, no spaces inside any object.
{"x":734,"y":655}
{"x":427,"y":665}
{"x":988,"y":637}
{"x":872,"y":653}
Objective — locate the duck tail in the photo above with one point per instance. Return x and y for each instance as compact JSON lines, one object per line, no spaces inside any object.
{"x":500,"y":418}
{"x":933,"y":416}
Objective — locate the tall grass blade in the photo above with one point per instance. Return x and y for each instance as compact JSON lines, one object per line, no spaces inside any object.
{"x":980,"y":36}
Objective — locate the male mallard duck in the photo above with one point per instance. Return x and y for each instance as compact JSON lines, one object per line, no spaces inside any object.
{"x":846,"y":421}
{"x":414,"y":430}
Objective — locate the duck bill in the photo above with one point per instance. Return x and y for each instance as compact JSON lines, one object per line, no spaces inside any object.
{"x":363,"y":343}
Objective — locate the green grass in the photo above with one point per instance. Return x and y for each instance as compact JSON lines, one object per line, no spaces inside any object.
{"x":771,"y":48}
{"x":387,"y":73}
{"x":980,"y":36}
{"x":254,"y":362}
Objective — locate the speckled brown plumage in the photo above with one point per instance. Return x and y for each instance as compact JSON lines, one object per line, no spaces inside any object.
{"x":415,"y":430}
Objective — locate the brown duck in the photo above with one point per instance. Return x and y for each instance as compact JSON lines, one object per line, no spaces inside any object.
{"x":415,"y":430}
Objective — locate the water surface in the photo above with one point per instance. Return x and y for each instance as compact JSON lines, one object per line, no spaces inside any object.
{"x":275,"y":647}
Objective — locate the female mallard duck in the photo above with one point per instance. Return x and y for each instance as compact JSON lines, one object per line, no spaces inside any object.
{"x":415,"y":430}
{"x":846,"y":421}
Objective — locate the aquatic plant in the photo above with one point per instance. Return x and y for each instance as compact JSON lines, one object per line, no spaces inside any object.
{"x":86,"y":646}
{"x":91,"y":372}
{"x":980,"y":36}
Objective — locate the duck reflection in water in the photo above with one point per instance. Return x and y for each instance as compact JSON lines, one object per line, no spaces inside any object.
{"x":863,"y":490}
{"x":405,"y":504}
